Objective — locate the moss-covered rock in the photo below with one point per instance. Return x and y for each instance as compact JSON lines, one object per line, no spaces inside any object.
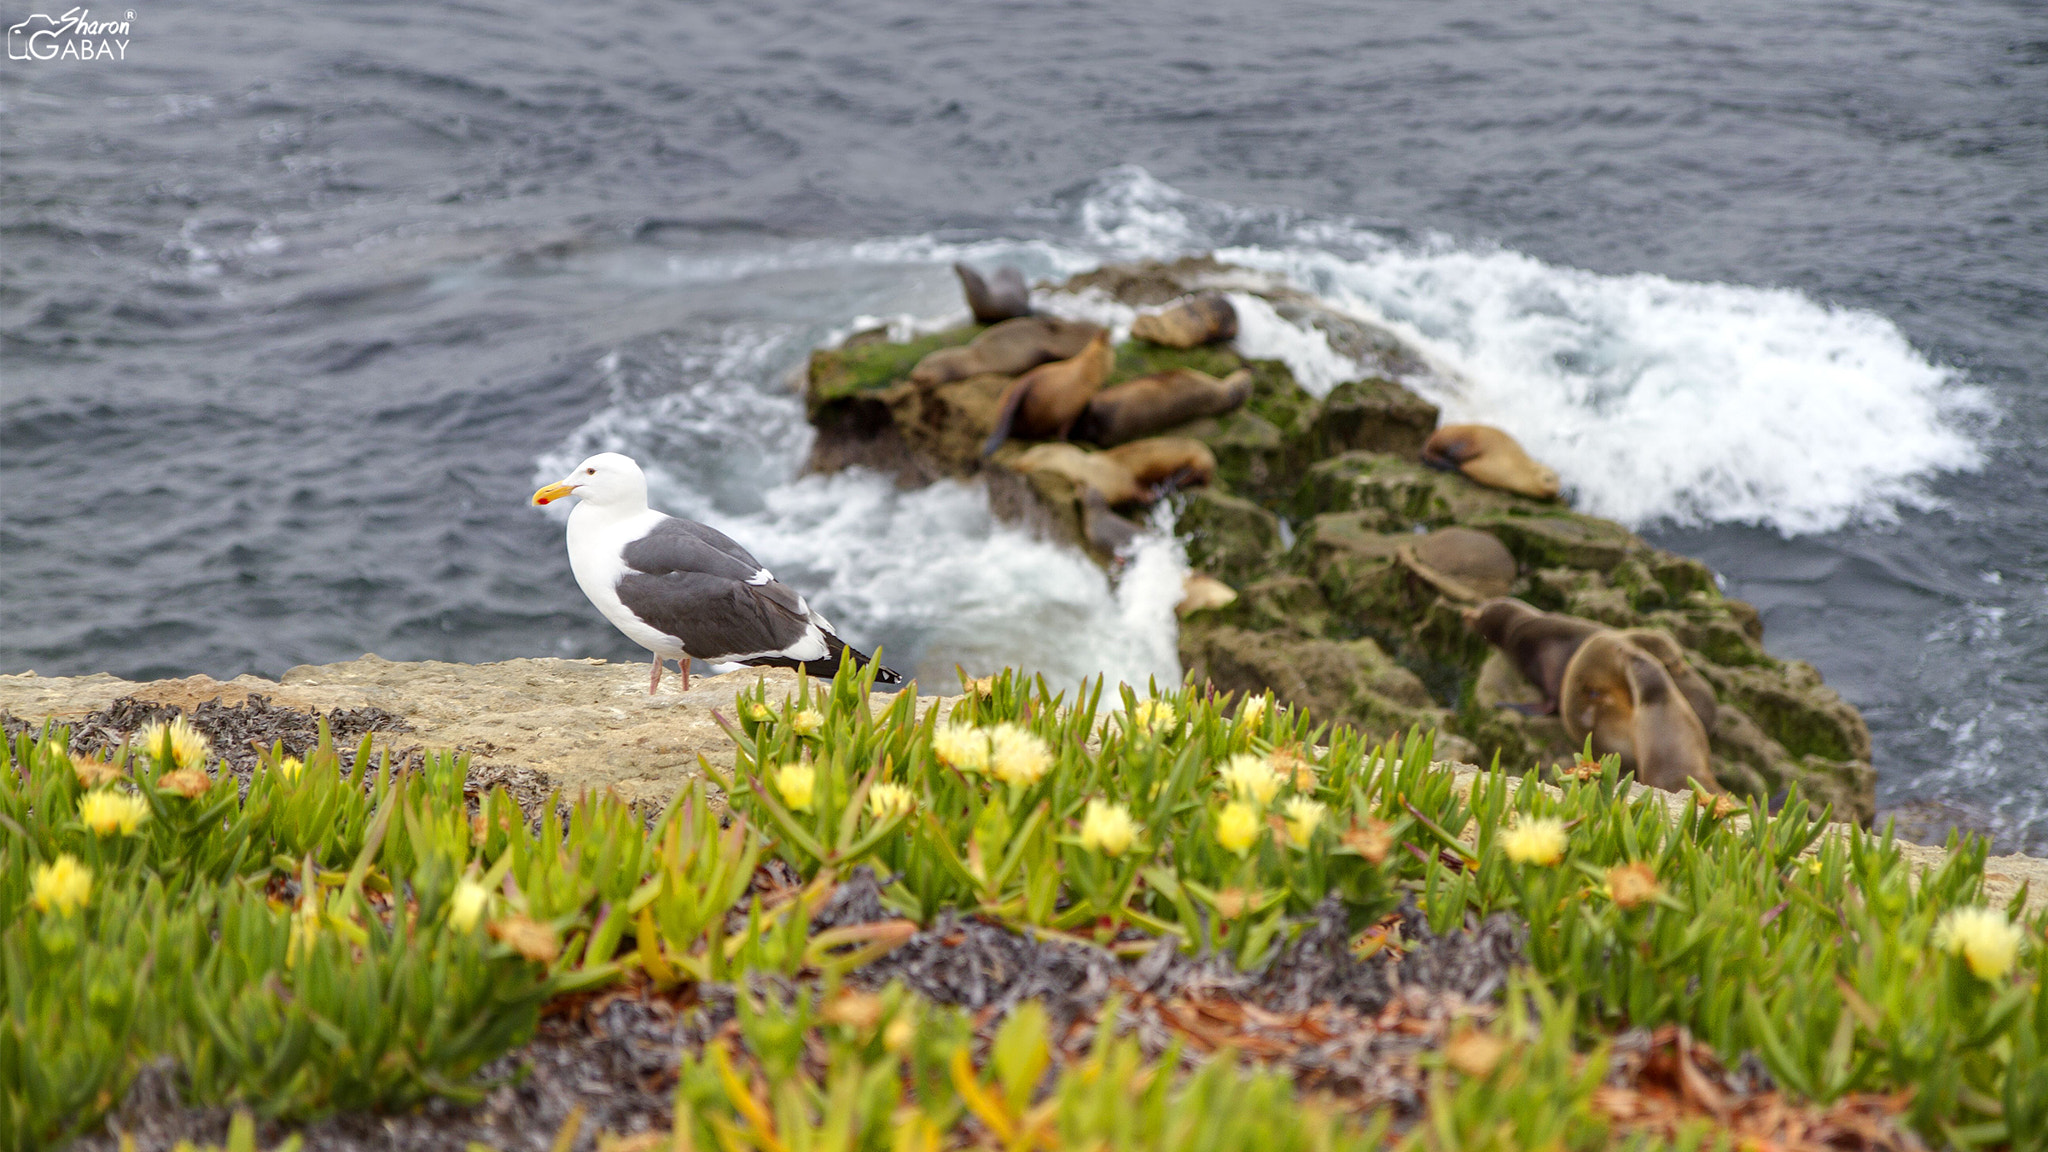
{"x":1346,"y":621}
{"x":1228,"y":537}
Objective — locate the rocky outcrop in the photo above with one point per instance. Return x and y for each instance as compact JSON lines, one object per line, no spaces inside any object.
{"x":1313,"y":501}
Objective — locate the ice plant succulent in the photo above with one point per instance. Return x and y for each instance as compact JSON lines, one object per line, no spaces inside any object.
{"x":1017,"y":755}
{"x":1629,"y":885}
{"x":888,"y":800}
{"x":1251,"y":778}
{"x":61,"y":886}
{"x":797,"y":782}
{"x":1237,"y":827}
{"x":110,"y":813}
{"x":807,"y":722}
{"x":1252,"y":712}
{"x":1535,"y":841}
{"x":187,"y":747}
{"x":467,"y":905}
{"x":1303,"y":817}
{"x":186,"y":782}
{"x":1983,"y":937}
{"x":1154,"y":715}
{"x":1107,"y":828}
{"x":961,"y":746}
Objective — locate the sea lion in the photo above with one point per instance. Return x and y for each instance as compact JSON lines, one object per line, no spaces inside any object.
{"x":1690,"y":684}
{"x":1623,"y":698}
{"x":1488,"y":456}
{"x":1007,"y":349}
{"x":1462,"y":563}
{"x":1196,"y":320}
{"x":1148,"y":404}
{"x":1042,"y":403}
{"x":1541,"y":644}
{"x":1201,"y":592}
{"x":1001,"y":296}
{"x":1170,"y":463}
{"x":1088,"y":470}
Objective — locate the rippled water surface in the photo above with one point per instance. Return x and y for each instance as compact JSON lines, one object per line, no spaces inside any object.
{"x":300,"y":301}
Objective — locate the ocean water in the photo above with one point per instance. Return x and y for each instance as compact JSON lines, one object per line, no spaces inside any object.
{"x":298,"y":304}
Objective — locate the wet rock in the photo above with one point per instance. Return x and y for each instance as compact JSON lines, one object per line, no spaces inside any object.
{"x":1228,"y":537}
{"x":1374,"y":415}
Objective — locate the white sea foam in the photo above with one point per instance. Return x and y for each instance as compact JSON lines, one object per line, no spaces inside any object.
{"x":1262,"y":334}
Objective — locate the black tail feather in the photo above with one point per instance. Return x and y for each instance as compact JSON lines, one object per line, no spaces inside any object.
{"x":830,"y":664}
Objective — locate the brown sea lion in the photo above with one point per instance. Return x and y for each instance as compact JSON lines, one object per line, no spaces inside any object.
{"x":1001,"y":296}
{"x":1148,"y":404}
{"x":1170,"y":463}
{"x":1201,"y":592}
{"x":1089,"y":470}
{"x":1007,"y":349}
{"x":1462,"y":563}
{"x":1042,"y":403}
{"x":1489,"y":456}
{"x":1684,"y":677}
{"x":1540,"y":644}
{"x":1624,"y":699}
{"x":1196,"y":320}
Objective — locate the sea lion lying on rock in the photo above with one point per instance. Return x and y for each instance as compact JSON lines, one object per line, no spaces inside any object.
{"x":1043,"y":403}
{"x":1462,"y":563}
{"x":1148,"y":404}
{"x":1095,"y":471}
{"x":1625,"y":700}
{"x":1167,"y":462}
{"x":1540,"y":644}
{"x":1491,"y":457}
{"x":1659,"y":645}
{"x":1001,"y":296}
{"x":1201,"y":592}
{"x":1197,"y":320}
{"x":1007,"y":349}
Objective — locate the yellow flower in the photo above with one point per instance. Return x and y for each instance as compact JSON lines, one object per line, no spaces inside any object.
{"x":1537,"y":841}
{"x":961,"y":746}
{"x":92,"y":771}
{"x":807,"y":722}
{"x":1252,"y":712}
{"x":291,"y":768}
{"x":1153,"y":713}
{"x":530,"y":938}
{"x":1237,"y":826}
{"x":1303,"y":815}
{"x":186,"y":782}
{"x":467,"y":904}
{"x":887,"y":801}
{"x":61,"y":886}
{"x":1251,"y":778}
{"x":1982,"y":937}
{"x":759,"y":713}
{"x":1631,"y":884}
{"x":1107,"y":828}
{"x":107,"y":812}
{"x":1475,"y":1053}
{"x":898,"y":1035}
{"x":1018,"y":755}
{"x":1287,"y":760}
{"x":797,"y":782}
{"x":187,"y":747}
{"x":986,"y":686}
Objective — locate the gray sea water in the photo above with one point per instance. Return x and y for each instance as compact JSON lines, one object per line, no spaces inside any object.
{"x":299,"y":302}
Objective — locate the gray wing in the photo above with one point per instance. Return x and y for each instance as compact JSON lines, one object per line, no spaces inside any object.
{"x":697,"y":584}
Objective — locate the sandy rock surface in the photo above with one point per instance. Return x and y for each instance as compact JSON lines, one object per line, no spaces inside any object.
{"x":584,"y":724}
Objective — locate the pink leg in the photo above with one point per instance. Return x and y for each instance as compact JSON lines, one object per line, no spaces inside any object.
{"x":655,"y":681}
{"x":684,"y":666}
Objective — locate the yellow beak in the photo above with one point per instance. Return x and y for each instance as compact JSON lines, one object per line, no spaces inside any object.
{"x":551,"y":493}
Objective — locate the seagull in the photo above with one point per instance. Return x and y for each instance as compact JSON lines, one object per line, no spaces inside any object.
{"x":681,"y":589}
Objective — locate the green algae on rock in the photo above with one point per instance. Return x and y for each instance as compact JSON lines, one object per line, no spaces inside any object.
{"x":1313,"y":502}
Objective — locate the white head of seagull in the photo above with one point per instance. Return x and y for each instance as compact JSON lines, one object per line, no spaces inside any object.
{"x":607,"y":480}
{"x":681,"y":589}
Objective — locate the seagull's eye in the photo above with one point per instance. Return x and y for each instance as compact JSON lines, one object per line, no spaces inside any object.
{"x":590,"y":471}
